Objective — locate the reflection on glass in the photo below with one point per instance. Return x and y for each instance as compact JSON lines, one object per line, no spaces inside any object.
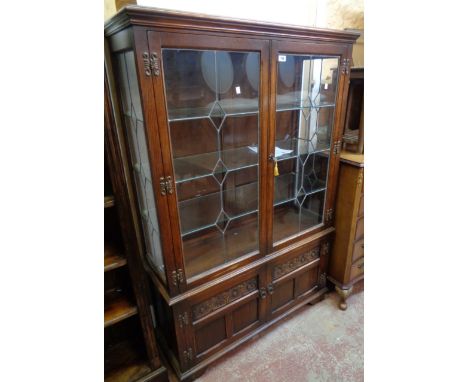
{"x":305,"y":107}
{"x":212,"y":103}
{"x":131,"y":107}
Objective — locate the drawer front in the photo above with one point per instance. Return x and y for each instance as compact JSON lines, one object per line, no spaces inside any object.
{"x":359,"y":229}
{"x":358,"y":250}
{"x":224,"y":315}
{"x":361,"y":206}
{"x":357,"y":269}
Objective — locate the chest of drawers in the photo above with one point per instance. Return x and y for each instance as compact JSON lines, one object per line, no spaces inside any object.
{"x":346,"y":265}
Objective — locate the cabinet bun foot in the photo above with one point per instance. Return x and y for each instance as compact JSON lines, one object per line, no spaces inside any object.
{"x":344,"y":294}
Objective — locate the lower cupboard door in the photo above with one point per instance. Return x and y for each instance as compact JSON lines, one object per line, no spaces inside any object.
{"x":290,"y":289}
{"x":225,"y":317}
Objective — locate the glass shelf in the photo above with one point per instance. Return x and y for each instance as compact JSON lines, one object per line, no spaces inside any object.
{"x":290,"y":102}
{"x":219,"y":109}
{"x":218,"y":209}
{"x":286,"y":184}
{"x":194,"y":167}
{"x":298,"y":146}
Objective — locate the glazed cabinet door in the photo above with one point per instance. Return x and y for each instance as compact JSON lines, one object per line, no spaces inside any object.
{"x":213,"y":97}
{"x":305,"y":111}
{"x":228,"y":312}
{"x":142,"y":148}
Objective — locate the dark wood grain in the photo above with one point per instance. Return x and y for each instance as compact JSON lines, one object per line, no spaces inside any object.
{"x":113,"y":257}
{"x":209,"y":266}
{"x":117,"y":307}
{"x":122,"y":195}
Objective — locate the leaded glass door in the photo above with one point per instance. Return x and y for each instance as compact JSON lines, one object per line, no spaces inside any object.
{"x":214,"y":107}
{"x":304,"y":112}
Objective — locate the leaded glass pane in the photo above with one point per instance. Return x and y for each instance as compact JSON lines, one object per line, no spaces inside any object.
{"x":135,"y":129}
{"x":213,"y":116}
{"x":305,"y":107}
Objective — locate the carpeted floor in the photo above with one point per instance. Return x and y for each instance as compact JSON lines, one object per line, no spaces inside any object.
{"x":320,"y":343}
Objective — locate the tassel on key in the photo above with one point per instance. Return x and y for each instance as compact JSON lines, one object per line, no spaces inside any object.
{"x":276,"y":171}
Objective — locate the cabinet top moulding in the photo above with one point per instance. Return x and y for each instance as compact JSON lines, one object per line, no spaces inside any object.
{"x":163,"y":18}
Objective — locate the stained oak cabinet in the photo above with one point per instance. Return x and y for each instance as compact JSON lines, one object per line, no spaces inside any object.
{"x":232,"y":134}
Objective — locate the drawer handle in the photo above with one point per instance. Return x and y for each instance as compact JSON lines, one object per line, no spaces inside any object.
{"x":362,"y":245}
{"x":360,"y":266}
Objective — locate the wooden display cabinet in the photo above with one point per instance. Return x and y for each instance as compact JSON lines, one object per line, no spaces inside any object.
{"x":231,"y":131}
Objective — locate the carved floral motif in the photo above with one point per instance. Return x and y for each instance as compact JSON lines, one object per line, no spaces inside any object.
{"x":295,"y":263}
{"x":216,"y":302}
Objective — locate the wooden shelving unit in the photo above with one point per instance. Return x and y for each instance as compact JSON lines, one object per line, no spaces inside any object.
{"x":113,"y":257}
{"x":117,"y":307}
{"x":124,"y":348}
{"x":130,"y":352}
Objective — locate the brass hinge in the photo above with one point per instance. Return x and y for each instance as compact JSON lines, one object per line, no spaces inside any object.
{"x":337,"y":147}
{"x":322,"y":280}
{"x":188,"y":356}
{"x":180,"y":276}
{"x":165,"y":185}
{"x":174,"y":278}
{"x":345,"y":66}
{"x":329,"y":215}
{"x":183,"y":319}
{"x":325,"y":248}
{"x":151,"y":64}
{"x":154,"y":63}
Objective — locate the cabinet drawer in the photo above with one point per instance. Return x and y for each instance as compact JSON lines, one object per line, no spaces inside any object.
{"x":358,"y":250}
{"x":359,"y":229}
{"x":357,"y":269}
{"x":361,"y":206}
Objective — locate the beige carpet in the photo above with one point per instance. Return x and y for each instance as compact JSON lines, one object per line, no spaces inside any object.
{"x":320,"y":343}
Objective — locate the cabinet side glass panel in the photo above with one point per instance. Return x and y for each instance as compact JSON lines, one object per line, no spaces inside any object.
{"x":305,"y":107}
{"x":135,"y":131}
{"x":213,"y":117}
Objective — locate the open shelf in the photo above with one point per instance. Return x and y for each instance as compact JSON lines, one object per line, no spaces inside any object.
{"x":113,"y":257}
{"x":124,"y":358}
{"x":117,"y":307}
{"x":109,"y":201}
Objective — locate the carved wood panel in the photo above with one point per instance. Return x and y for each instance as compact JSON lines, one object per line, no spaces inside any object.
{"x":216,"y":302}
{"x":296,"y":262}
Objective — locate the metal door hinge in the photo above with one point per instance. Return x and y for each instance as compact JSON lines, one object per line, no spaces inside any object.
{"x":322,"y":280}
{"x":345,"y":66}
{"x":165,"y":185}
{"x":188,"y":356}
{"x":151,"y":64}
{"x":180,"y":276}
{"x":325,"y":248}
{"x":329,"y":215}
{"x":337,"y":147}
{"x":183,"y":319}
{"x":177,"y":277}
{"x":174,"y":278}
